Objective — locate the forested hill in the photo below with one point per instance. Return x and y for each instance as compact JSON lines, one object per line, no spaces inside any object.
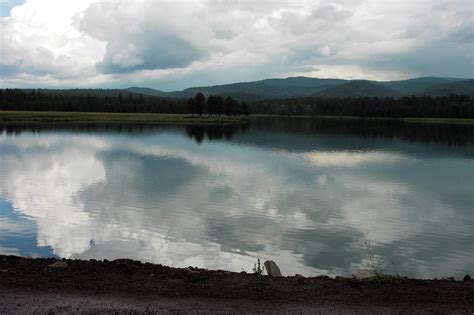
{"x":311,"y":87}
{"x":430,"y":97}
{"x":359,"y":89}
{"x":296,"y":87}
{"x":465,"y":87}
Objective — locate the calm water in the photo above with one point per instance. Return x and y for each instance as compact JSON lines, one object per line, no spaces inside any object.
{"x":306,"y":193}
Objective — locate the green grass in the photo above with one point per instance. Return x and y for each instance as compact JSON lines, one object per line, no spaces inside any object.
{"x":83,"y":117}
{"x":463,"y":121}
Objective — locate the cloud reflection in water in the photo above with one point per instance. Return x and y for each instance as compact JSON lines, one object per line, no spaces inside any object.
{"x":164,"y":198}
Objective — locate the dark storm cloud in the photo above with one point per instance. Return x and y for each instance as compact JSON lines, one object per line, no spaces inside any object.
{"x":447,"y":58}
{"x":148,"y":52}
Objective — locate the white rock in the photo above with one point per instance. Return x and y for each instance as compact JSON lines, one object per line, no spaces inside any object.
{"x":272,"y":268}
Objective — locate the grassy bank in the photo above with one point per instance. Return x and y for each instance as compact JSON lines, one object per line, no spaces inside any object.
{"x":89,"y":117}
{"x":81,"y":117}
{"x":462,"y":121}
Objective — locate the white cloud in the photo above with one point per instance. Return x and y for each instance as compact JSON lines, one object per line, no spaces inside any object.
{"x":54,"y":187}
{"x":39,"y":38}
{"x":350,"y":71}
{"x":325,"y":50}
{"x":95,"y":42}
{"x":350,"y":158}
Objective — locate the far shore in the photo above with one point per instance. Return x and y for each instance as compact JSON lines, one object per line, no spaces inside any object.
{"x":186,"y":119}
{"x":428,"y":120}
{"x":130,"y":286}
{"x":98,"y":117}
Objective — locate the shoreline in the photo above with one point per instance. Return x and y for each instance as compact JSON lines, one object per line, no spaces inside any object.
{"x":186,"y":119}
{"x":31,"y":279}
{"x":99,"y":117}
{"x":427,"y":120}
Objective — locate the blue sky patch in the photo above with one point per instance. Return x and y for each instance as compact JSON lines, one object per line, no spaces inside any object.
{"x":7,"y":5}
{"x":22,"y":240}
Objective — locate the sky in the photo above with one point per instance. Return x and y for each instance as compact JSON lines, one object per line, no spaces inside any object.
{"x":175,"y":44}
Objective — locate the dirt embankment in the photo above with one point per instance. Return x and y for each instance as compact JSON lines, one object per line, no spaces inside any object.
{"x":125,"y":285}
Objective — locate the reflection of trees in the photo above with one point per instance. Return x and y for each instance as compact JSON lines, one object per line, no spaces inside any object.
{"x":18,"y":128}
{"x":450,"y":134}
{"x":195,"y":132}
{"x":213,"y":132}
{"x":228,"y":132}
{"x":198,"y":133}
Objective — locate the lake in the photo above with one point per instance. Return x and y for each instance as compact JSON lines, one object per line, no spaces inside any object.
{"x":317,"y":196}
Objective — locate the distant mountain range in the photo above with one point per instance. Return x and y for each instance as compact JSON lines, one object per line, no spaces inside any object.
{"x":312,"y":87}
{"x":295,"y":87}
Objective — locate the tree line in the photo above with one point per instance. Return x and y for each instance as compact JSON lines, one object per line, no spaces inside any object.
{"x":16,"y":99}
{"x":216,"y":105}
{"x":452,"y":106}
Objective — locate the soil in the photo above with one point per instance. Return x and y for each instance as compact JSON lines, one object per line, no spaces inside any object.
{"x":49,"y":285}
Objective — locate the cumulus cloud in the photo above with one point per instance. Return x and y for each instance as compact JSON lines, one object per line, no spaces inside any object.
{"x":54,"y":42}
{"x":39,"y":38}
{"x":143,"y":36}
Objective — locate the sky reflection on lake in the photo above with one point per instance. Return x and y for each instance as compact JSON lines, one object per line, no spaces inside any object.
{"x":306,"y":197}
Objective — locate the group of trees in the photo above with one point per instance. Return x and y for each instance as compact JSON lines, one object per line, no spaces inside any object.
{"x":216,"y":105}
{"x":15,"y":99}
{"x":452,"y":106}
{"x":100,"y":101}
